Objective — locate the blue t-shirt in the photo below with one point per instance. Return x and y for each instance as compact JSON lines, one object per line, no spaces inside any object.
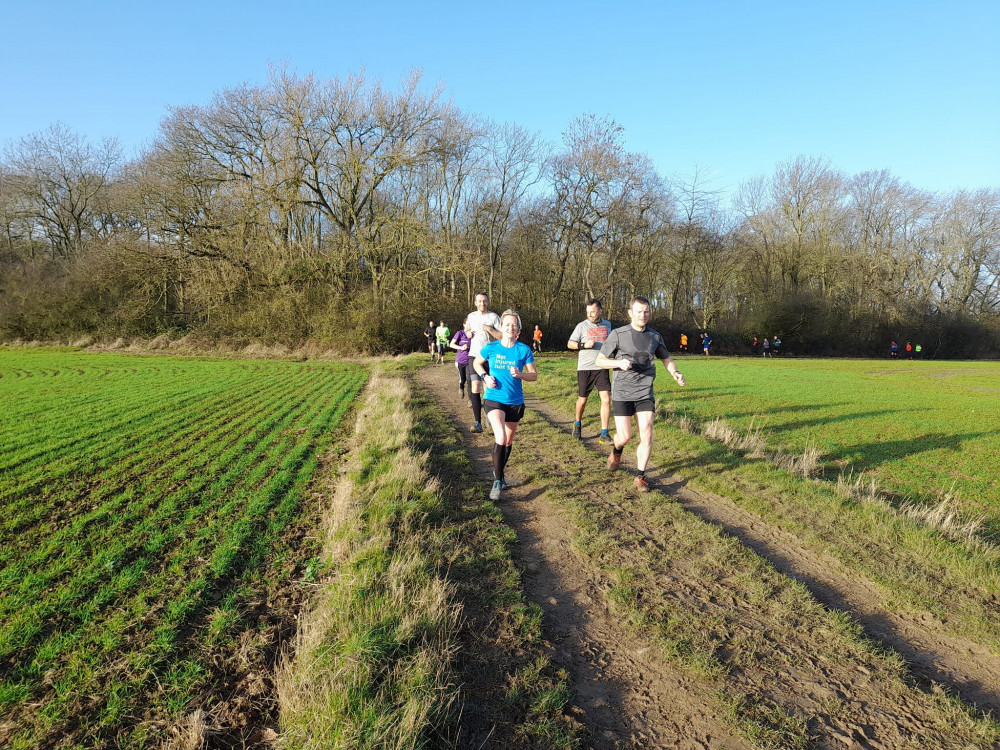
{"x":501,"y":358}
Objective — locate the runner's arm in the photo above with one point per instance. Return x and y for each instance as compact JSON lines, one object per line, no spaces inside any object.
{"x":612,"y":364}
{"x":529,"y":374}
{"x":674,"y":372}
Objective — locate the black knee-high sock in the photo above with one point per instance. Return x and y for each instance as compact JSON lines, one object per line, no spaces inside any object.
{"x":506,"y":457}
{"x":477,"y":406}
{"x":498,"y":462}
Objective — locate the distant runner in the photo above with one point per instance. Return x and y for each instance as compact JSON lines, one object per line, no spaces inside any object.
{"x":430,"y":334}
{"x":587,"y":337}
{"x":633,"y":351}
{"x":461,"y":342}
{"x":442,"y":335}
{"x":536,"y":340}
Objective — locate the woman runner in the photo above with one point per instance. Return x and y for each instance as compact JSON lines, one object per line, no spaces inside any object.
{"x":510,"y":362}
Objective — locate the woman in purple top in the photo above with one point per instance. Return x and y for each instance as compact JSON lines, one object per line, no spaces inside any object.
{"x":460,"y":342}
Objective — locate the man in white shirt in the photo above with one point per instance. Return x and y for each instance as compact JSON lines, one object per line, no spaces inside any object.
{"x":588,"y":337}
{"x":485,"y":327}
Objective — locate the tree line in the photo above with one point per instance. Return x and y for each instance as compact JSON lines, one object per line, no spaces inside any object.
{"x":346,"y":212}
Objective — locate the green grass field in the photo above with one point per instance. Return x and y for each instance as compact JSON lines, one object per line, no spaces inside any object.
{"x":147,"y":502}
{"x":920,"y":428}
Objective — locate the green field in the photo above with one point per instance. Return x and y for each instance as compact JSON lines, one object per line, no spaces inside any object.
{"x":147,"y":504}
{"x":920,"y":428}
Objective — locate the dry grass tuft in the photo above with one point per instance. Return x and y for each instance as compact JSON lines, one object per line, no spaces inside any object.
{"x":257,"y":349}
{"x":863,"y":487}
{"x":948,"y":517}
{"x":190,"y":734}
{"x":751,"y":442}
{"x":160,"y":342}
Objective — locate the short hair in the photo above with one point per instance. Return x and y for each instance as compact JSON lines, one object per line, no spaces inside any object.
{"x":480,"y":294}
{"x":513,"y":314}
{"x":595,"y":301}
{"x":643,"y":300}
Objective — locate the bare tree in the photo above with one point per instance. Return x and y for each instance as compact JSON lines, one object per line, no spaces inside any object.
{"x":60,"y":177}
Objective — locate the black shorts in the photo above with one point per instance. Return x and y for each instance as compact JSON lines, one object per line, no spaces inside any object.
{"x":470,"y":370}
{"x":588,"y":380}
{"x":512,"y":412}
{"x":628,"y":408}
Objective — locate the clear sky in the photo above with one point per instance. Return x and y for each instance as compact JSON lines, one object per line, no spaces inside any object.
{"x":728,"y":87}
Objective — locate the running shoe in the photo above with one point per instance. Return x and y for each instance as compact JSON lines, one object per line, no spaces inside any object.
{"x":605,"y":437}
{"x":614,"y":461}
{"x":497,"y":487}
{"x":477,"y":427}
{"x":503,"y":483}
{"x":641,"y":484}
{"x":577,"y":427}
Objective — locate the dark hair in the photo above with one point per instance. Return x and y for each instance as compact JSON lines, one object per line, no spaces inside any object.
{"x":643,"y":300}
{"x":594,"y":301}
{"x":480,"y":293}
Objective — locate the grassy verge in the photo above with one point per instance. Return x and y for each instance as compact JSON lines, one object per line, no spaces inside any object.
{"x":786,"y":671}
{"x":921,"y":569}
{"x":418,"y":635}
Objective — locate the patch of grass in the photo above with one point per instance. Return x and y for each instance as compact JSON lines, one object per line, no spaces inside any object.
{"x":723,"y":614}
{"x":419,"y":633}
{"x":921,"y":551}
{"x":145,"y":501}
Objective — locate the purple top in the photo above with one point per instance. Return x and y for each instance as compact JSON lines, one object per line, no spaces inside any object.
{"x":462,"y":339}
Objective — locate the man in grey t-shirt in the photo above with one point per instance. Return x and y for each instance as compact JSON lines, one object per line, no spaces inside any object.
{"x":633,"y":351}
{"x":588,"y":336}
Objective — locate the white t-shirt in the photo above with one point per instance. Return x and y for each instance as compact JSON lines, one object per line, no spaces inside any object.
{"x":476,"y":322}
{"x":597,"y":333}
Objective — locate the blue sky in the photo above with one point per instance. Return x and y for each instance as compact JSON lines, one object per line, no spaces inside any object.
{"x":728,"y":87}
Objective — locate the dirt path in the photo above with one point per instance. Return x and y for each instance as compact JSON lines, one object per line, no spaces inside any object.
{"x":934,"y":655}
{"x":625,"y":694}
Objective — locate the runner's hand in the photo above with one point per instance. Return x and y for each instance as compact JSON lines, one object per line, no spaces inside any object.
{"x":679,"y":378}
{"x":514,"y":372}
{"x":624,"y":364}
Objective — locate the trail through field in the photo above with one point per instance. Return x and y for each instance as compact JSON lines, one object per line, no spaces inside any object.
{"x":625,"y":693}
{"x":796,"y":675}
{"x":934,"y":655}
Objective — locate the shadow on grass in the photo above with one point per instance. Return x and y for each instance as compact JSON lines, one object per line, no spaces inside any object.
{"x":878,"y":452}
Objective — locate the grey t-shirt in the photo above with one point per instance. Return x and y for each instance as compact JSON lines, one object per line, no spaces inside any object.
{"x":586,"y":331}
{"x":642,"y":349}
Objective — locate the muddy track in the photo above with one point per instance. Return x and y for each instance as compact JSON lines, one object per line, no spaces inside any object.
{"x":624,"y":692}
{"x":934,"y":655}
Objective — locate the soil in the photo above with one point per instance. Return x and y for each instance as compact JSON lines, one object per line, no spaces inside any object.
{"x":625,"y":692}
